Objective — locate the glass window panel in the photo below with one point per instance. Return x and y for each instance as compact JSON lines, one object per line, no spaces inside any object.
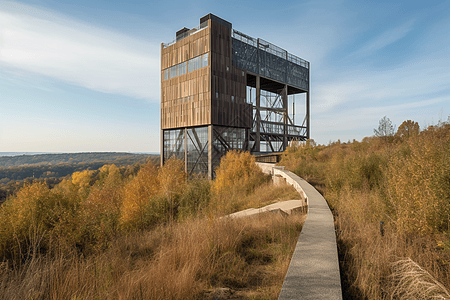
{"x":197,"y":150}
{"x":173,"y":144}
{"x":197,"y":61}
{"x":191,"y":65}
{"x":205,"y":60}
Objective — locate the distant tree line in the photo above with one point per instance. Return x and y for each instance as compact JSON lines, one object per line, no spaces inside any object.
{"x":15,"y":171}
{"x":74,"y":158}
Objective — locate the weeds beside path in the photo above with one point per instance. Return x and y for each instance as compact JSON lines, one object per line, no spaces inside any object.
{"x":401,"y":182}
{"x":150,"y":235}
{"x":178,"y":261}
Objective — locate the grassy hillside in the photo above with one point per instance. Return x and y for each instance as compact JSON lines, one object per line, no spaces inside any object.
{"x":391,"y":200}
{"x":150,"y":235}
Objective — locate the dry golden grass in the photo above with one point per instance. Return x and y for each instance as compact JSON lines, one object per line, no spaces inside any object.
{"x":154,"y":235}
{"x":177,"y":261}
{"x":267,"y":193}
{"x":411,"y":282}
{"x":233,"y":200}
{"x":404,"y":182}
{"x":368,"y":258}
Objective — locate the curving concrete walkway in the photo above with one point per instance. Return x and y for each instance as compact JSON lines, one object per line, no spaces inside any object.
{"x":314,"y":269}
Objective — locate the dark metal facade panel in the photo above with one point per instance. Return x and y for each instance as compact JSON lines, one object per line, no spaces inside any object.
{"x":215,"y":19}
{"x":228,"y":83}
{"x":265,"y":59}
{"x":245,"y":56}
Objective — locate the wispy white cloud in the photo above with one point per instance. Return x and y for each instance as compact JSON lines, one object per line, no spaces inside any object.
{"x":386,"y":38}
{"x":54,"y":45}
{"x":416,"y":80}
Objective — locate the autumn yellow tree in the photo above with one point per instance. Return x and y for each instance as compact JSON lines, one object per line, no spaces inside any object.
{"x":34,"y":217}
{"x":138,"y":193}
{"x":81,"y":182}
{"x":236,"y":176}
{"x":407,"y":129}
{"x":172,"y":181}
{"x":101,"y":209}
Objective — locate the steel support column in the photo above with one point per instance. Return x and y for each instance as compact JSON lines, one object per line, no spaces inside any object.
{"x":258,"y":115}
{"x":210,"y":151}
{"x":284,"y":95}
{"x":308,"y":129}
{"x":162,"y":148}
{"x":185,"y":151}
{"x":307,"y":116}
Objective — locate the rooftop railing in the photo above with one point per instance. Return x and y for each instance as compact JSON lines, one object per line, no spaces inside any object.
{"x":270,"y":48}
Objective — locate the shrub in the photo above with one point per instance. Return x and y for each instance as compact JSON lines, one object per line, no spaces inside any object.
{"x":236,"y":176}
{"x":33,"y":218}
{"x":237,"y":170}
{"x":137,"y":193}
{"x":196,"y":197}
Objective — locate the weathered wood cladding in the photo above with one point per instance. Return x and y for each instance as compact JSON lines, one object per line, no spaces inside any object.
{"x":228,"y":83}
{"x":187,"y":48}
{"x":186,"y":99}
{"x":215,"y":94}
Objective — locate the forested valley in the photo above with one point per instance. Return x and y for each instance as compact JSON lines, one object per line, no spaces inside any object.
{"x":53,"y":168}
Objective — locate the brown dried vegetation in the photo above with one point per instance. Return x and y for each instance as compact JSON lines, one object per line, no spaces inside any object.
{"x":154,"y":235}
{"x":403,"y":182}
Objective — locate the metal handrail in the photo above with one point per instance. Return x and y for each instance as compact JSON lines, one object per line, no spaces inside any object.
{"x":269,"y":47}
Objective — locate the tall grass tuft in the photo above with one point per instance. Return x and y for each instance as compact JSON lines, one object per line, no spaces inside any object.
{"x":412,"y":282}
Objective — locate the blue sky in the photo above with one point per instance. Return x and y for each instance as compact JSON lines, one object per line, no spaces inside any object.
{"x":82,"y":76}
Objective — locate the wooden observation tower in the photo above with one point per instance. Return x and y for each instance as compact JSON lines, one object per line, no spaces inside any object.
{"x":223,"y":90}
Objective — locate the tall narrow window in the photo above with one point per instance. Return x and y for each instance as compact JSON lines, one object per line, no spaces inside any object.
{"x":191,"y":65}
{"x":173,"y":71}
{"x":204,"y":60}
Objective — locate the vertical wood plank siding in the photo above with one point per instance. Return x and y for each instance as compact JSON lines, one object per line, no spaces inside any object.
{"x":186,"y":99}
{"x":190,"y":99}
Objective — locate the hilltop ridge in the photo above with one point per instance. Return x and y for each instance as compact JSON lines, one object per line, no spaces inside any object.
{"x":83,"y":157}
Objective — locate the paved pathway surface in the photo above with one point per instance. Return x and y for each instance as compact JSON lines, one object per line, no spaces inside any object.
{"x":314,"y":269}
